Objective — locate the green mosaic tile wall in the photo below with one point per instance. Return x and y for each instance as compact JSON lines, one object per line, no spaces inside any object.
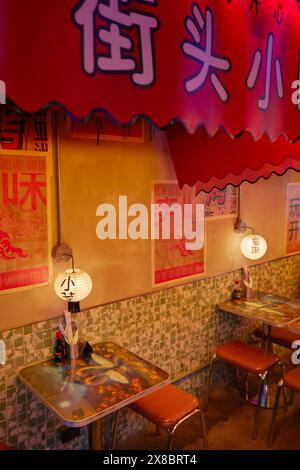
{"x":178,"y":329}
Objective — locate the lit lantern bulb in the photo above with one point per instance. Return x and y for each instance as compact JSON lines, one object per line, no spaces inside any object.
{"x":254,"y":246}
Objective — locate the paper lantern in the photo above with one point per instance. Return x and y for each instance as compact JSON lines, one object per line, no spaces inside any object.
{"x":73,"y":285}
{"x":253,"y":246}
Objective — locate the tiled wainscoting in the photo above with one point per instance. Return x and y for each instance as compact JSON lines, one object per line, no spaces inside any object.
{"x":177,"y":328}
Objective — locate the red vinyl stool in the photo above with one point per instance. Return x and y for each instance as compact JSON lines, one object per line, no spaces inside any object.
{"x":281,"y":336}
{"x":291,"y":380}
{"x":167,"y":408}
{"x":250,"y":359}
{"x":4,"y":446}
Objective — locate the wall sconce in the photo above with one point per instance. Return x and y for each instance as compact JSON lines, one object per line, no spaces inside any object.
{"x":71,"y":285}
{"x":252,"y":246}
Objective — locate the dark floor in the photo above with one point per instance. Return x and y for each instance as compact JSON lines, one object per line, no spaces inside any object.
{"x":229,"y":421}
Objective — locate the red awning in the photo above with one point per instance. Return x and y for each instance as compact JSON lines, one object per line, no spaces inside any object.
{"x":228,"y":64}
{"x":218,"y":161}
{"x":213,"y":65}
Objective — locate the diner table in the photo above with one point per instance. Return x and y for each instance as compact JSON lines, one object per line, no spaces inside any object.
{"x":294,"y":327}
{"x":270,"y":310}
{"x":81,"y":392}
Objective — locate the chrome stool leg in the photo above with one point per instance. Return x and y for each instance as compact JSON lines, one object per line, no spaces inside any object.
{"x":246,"y":387}
{"x":210,"y":375}
{"x":204,"y":430}
{"x":172,"y":430}
{"x":275,"y":412}
{"x":263,"y":378}
{"x":286,"y":402}
{"x":292,"y":396}
{"x":115,"y":430}
{"x":171,"y":438}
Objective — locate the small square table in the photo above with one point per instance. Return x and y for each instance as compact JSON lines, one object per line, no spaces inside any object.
{"x":270,"y":310}
{"x":82,"y":392}
{"x":295,"y":327}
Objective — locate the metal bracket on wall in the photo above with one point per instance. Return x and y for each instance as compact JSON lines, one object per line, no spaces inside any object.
{"x":61,"y":253}
{"x":240,"y":225}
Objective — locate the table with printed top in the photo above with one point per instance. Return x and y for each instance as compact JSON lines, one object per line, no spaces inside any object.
{"x":83,"y":391}
{"x":294,"y":327}
{"x":270,"y":310}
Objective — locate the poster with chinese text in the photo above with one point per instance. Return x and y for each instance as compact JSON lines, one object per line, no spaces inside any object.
{"x":23,"y":132}
{"x":293,"y":218}
{"x":220,"y":203}
{"x":171,"y":258}
{"x":24,"y":244}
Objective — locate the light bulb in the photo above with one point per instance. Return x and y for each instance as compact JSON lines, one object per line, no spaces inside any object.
{"x":254,"y":246}
{"x":73,"y":285}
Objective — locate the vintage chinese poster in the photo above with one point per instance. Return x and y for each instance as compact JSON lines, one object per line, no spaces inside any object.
{"x":220,"y":203}
{"x":171,"y":258}
{"x":293,"y":218}
{"x":23,"y":132}
{"x":24,"y":244}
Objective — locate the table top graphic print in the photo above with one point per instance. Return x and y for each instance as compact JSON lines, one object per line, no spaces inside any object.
{"x":82,"y":391}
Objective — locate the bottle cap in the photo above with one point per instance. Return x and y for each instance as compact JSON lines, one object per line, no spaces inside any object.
{"x":58,"y":335}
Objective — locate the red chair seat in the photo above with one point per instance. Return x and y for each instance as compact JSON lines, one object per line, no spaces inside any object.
{"x":247,"y":357}
{"x":166,"y":406}
{"x":292,"y":379}
{"x":281,"y":336}
{"x":4,"y":446}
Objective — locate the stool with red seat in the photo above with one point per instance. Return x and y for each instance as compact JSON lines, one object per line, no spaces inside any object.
{"x":4,"y":446}
{"x":291,"y":380}
{"x":250,"y":359}
{"x":281,"y":336}
{"x":167,"y":408}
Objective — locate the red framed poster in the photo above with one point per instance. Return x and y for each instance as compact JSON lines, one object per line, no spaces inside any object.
{"x":293,"y":218}
{"x":24,"y":241}
{"x":171,"y":259}
{"x":101,"y":128}
{"x":220,"y":203}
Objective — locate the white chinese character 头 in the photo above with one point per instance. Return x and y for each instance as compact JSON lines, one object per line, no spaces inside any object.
{"x":201,"y":50}
{"x":114,"y":36}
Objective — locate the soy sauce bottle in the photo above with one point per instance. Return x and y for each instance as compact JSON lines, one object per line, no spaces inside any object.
{"x":59,"y":351}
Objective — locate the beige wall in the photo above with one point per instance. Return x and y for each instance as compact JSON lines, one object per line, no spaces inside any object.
{"x":92,"y":175}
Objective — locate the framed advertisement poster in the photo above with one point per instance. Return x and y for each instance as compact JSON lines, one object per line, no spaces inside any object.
{"x":293,"y":218}
{"x":24,"y":194}
{"x":220,"y":202}
{"x":172,"y":260}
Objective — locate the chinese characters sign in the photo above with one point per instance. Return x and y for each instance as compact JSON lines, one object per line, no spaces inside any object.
{"x":293,"y":218}
{"x":114,"y":35}
{"x":219,"y":203}
{"x":217,"y":63}
{"x":23,"y":200}
{"x":23,"y":131}
{"x":172,"y":260}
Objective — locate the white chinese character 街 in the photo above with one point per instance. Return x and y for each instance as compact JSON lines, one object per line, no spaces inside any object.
{"x":263,"y":102}
{"x":118,"y":43}
{"x":203,"y":53}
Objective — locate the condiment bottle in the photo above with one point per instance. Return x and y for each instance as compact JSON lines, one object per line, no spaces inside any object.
{"x":59,"y":351}
{"x":236,"y":294}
